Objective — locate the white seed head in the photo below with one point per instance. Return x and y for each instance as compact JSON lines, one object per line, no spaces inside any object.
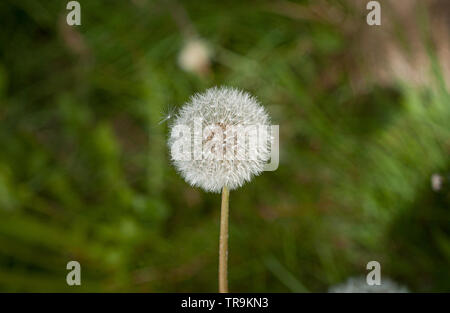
{"x":228,"y":111}
{"x":195,"y":57}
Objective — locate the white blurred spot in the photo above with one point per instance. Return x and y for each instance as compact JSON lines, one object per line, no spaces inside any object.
{"x":195,"y":57}
{"x":436,"y":182}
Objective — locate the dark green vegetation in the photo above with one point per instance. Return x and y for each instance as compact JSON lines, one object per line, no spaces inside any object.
{"x":85,"y":174}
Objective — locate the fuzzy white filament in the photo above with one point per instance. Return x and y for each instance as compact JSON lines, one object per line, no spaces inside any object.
{"x":223,"y":113}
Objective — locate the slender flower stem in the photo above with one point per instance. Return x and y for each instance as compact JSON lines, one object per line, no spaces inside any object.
{"x":223,"y":242}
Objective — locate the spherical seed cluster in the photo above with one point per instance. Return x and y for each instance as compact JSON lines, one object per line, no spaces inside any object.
{"x":227,"y":109}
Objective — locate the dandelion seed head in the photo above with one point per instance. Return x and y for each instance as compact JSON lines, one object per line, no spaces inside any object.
{"x":223,"y":108}
{"x":195,"y":57}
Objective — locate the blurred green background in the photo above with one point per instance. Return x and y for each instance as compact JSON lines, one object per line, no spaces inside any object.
{"x":85,"y":173}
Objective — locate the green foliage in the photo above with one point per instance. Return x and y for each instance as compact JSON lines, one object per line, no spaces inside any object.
{"x":85,"y":173}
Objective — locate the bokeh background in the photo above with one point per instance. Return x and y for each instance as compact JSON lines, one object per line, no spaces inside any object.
{"x":364,"y":115}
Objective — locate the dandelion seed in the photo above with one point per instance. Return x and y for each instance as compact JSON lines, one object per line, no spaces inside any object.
{"x":168,"y":113}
